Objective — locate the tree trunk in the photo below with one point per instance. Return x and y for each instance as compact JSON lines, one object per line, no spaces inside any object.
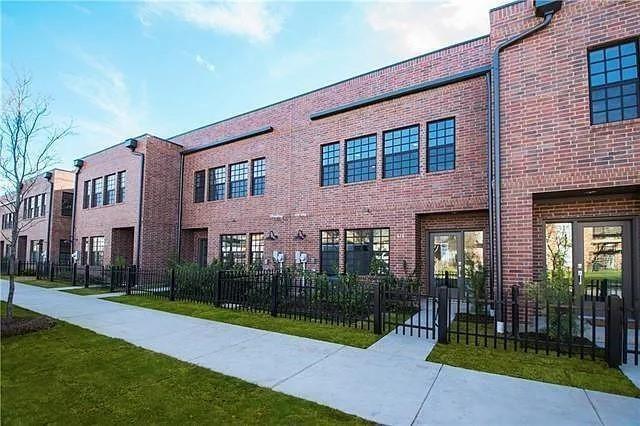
{"x":13,"y":252}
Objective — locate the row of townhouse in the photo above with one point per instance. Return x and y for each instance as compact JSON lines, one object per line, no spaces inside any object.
{"x":511,"y":151}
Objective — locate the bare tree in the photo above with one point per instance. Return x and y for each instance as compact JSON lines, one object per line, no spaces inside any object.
{"x":26,"y":152}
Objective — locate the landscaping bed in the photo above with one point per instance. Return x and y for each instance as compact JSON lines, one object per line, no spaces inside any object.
{"x":19,"y":325}
{"x":69,"y":375}
{"x":88,"y":291}
{"x":39,"y":283}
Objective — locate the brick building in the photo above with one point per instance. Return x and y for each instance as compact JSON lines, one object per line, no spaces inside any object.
{"x":475,"y":154}
{"x":45,"y":219}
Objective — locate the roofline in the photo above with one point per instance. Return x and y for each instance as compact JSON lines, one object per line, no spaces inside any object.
{"x":229,"y":139}
{"x":415,"y":58}
{"x":503,"y":6}
{"x":121,"y":143}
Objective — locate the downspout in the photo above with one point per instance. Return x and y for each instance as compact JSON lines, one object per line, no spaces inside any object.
{"x":179,"y":233}
{"x":495,"y":95}
{"x":49,"y":177}
{"x":490,"y":188}
{"x":132,"y":144}
{"x":78,"y":164}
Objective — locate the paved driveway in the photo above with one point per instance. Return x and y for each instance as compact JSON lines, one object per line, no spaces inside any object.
{"x":381,"y":384}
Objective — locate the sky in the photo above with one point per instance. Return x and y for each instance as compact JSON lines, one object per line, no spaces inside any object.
{"x":120,"y":69}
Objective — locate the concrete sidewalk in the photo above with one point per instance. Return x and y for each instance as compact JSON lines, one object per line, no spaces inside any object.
{"x":382,"y":385}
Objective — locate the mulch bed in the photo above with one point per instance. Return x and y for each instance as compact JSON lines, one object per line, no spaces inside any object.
{"x":473,"y":318}
{"x":20,"y":326}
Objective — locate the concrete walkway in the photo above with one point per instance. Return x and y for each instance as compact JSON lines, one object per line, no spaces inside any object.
{"x":383,"y":386}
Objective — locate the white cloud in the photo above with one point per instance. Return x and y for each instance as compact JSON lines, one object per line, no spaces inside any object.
{"x":415,"y":28}
{"x":104,"y":90}
{"x":256,"y":21}
{"x":204,"y":63}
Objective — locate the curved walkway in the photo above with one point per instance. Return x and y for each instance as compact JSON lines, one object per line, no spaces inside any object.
{"x":383,"y":386}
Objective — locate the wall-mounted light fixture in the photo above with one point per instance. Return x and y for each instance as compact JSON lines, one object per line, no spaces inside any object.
{"x":300,"y":235}
{"x":271,"y":237}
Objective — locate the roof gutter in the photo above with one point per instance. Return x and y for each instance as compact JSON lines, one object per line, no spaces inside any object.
{"x":496,"y":181}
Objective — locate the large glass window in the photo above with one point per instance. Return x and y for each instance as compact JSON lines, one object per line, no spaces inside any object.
{"x":64,"y":253}
{"x":441,"y":145}
{"x":238,"y":180}
{"x":559,"y":250}
{"x":257,"y":249}
{"x":122,"y":186}
{"x":198,"y":186}
{"x":35,"y":250}
{"x":67,"y":204}
{"x":329,"y":247}
{"x":96,"y":192}
{"x":203,"y":244}
{"x":614,"y":83}
{"x":330,"y":172}
{"x":86,"y":194}
{"x":367,"y":251}
{"x":233,"y":248}
{"x":361,"y":159}
{"x":258,"y":177}
{"x":401,"y":152}
{"x":96,"y":251}
{"x":110,"y":189}
{"x":217,"y":183}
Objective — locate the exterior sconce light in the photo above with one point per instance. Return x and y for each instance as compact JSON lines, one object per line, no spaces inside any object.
{"x":300,"y":235}
{"x":272,"y":236}
{"x":47,"y":175}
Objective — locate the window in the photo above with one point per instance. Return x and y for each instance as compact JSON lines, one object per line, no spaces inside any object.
{"x":203,"y":244}
{"x":441,"y":137}
{"x":217,"y":182}
{"x":238,"y":180}
{"x":360,"y":159}
{"x":109,"y":189}
{"x":330,"y":173}
{"x":258,"y":177}
{"x":36,"y":207}
{"x":329,"y":246}
{"x":96,"y":251}
{"x":85,"y":251}
{"x":122,"y":186}
{"x":198,"y":187}
{"x":67,"y":204}
{"x":401,"y":152}
{"x":86,"y":198}
{"x":96,"y":192}
{"x":25,"y":207}
{"x":233,"y":248}
{"x":42,"y":205}
{"x":7,"y":220}
{"x":257,"y":249}
{"x":613,"y":82}
{"x":35,"y":250}
{"x":64,"y":254}
{"x":367,"y":251}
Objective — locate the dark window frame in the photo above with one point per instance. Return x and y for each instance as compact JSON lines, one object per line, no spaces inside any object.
{"x":121,"y":186}
{"x":256,"y":246}
{"x":199,"y":186}
{"x":416,"y":152}
{"x":372,"y":243}
{"x":86,"y":194}
{"x":258,"y":182}
{"x":361,"y":172}
{"x":332,"y":177}
{"x":440,"y":147}
{"x":238,"y":188}
{"x":242,"y":258}
{"x":109,"y":195}
{"x":94,"y":258}
{"x":335,"y":241}
{"x":66,"y":204}
{"x":606,"y":86}
{"x":216,"y":188}
{"x":96,"y":194}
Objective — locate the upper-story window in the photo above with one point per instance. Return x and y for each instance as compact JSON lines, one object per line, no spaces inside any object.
{"x":238,"y":180}
{"x":121,"y":186}
{"x":330,"y":172}
{"x":614,"y":83}
{"x":86,"y":194}
{"x":217,"y":182}
{"x":43,"y":207}
{"x":198,"y":186}
{"x":360,"y":159}
{"x":110,"y":189}
{"x":258,"y":176}
{"x":96,"y":192}
{"x":7,"y":222}
{"x":67,"y":204}
{"x":441,"y":136}
{"x":34,"y":206}
{"x":401,"y":152}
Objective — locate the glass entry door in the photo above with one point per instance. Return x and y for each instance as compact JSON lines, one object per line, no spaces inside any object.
{"x":456,"y":260}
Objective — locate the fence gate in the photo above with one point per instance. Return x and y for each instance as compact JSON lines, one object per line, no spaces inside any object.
{"x":408,"y":310}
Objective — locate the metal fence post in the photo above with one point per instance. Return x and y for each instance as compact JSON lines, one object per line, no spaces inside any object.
{"x":218,"y":289}
{"x":613,"y":331}
{"x":377,"y":308}
{"x":86,"y":275}
{"x":19,"y":272}
{"x":37,"y":270}
{"x":74,"y":274}
{"x":130,"y":274}
{"x":443,"y":314}
{"x":51,"y":271}
{"x":515,"y":314}
{"x":172,"y":294}
{"x":274,"y":294}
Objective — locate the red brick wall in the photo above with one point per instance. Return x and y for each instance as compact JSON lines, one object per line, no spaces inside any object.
{"x":547,"y":141}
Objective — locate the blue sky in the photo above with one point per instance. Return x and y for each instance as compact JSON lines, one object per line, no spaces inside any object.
{"x":119,"y":69}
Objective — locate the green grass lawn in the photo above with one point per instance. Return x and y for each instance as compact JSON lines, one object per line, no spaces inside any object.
{"x":313,"y":330}
{"x":87,"y":291}
{"x":69,"y":375}
{"x":40,"y":283}
{"x":587,"y":374}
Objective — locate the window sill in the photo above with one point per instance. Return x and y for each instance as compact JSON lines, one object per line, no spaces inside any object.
{"x":610,"y":124}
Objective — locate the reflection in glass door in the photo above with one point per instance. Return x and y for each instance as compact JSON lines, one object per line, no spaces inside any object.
{"x":457,"y":260}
